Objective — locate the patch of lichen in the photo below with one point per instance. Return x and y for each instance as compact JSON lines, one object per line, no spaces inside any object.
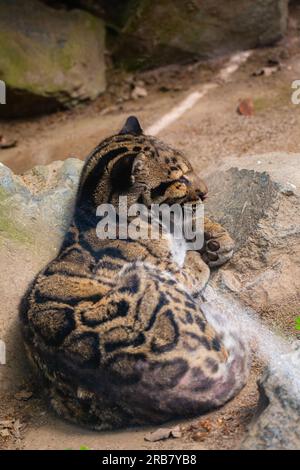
{"x":3,"y":194}
{"x":9,"y":228}
{"x":280,"y":96}
{"x":76,"y":45}
{"x":174,"y":23}
{"x":193,"y":29}
{"x":13,"y":62}
{"x":23,"y":66}
{"x":164,"y":33}
{"x":40,"y":64}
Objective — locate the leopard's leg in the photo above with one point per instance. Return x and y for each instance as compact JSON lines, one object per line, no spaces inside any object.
{"x":195,"y":272}
{"x":218,"y":244}
{"x":87,"y":409}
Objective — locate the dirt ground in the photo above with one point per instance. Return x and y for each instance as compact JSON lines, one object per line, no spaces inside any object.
{"x":209,"y":133}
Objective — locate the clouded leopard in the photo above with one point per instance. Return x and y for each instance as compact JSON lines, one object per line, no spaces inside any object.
{"x":115,"y":326}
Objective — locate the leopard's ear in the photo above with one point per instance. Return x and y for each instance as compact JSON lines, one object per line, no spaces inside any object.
{"x":127,"y":171}
{"x":131,"y":126}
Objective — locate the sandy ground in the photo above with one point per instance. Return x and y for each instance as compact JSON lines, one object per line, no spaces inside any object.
{"x":209,"y":133}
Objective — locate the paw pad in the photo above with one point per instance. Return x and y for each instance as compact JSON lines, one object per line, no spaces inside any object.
{"x":213,"y":245}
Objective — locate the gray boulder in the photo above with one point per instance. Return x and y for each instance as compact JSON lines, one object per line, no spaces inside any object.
{"x":35,"y":212}
{"x":49,"y":58}
{"x":258,"y":199}
{"x":171,"y":30}
{"x":277,"y":425}
{"x":114,"y":12}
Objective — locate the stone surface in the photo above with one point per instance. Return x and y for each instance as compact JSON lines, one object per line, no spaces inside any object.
{"x":171,"y":30}
{"x":155,"y":33}
{"x":257,"y":198}
{"x":264,"y":221}
{"x":49,"y":58}
{"x":114,"y":12}
{"x":277,"y":425}
{"x":35,"y":211}
{"x":38,"y":203}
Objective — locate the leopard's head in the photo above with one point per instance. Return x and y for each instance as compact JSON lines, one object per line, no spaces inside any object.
{"x":141,"y":167}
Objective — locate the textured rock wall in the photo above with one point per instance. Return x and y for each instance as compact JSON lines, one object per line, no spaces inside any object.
{"x":49,"y":58}
{"x":165,"y":31}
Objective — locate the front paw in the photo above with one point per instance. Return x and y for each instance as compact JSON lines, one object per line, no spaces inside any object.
{"x":217,"y":249}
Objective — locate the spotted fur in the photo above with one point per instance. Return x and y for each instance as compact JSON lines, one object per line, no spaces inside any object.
{"x":115,"y":326}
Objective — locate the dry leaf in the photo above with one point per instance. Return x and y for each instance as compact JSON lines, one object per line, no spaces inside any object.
{"x":246,"y":107}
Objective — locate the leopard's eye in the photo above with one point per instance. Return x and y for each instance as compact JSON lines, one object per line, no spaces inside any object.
{"x":184,"y":180}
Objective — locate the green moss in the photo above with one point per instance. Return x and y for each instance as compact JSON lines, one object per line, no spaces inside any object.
{"x":25,"y":68}
{"x":64,"y":58}
{"x":12,"y":59}
{"x":9,"y":229}
{"x":152,"y":37}
{"x":260,"y":104}
{"x":3,"y":195}
{"x":170,"y":22}
{"x":40,"y":63}
{"x":74,"y":47}
{"x":280,"y":96}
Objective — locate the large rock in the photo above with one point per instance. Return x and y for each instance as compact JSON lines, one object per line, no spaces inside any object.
{"x":114,"y":12}
{"x":258,"y":199}
{"x":49,"y":58}
{"x":170,"y":30}
{"x":35,"y":212}
{"x":277,"y":425}
{"x":165,"y":31}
